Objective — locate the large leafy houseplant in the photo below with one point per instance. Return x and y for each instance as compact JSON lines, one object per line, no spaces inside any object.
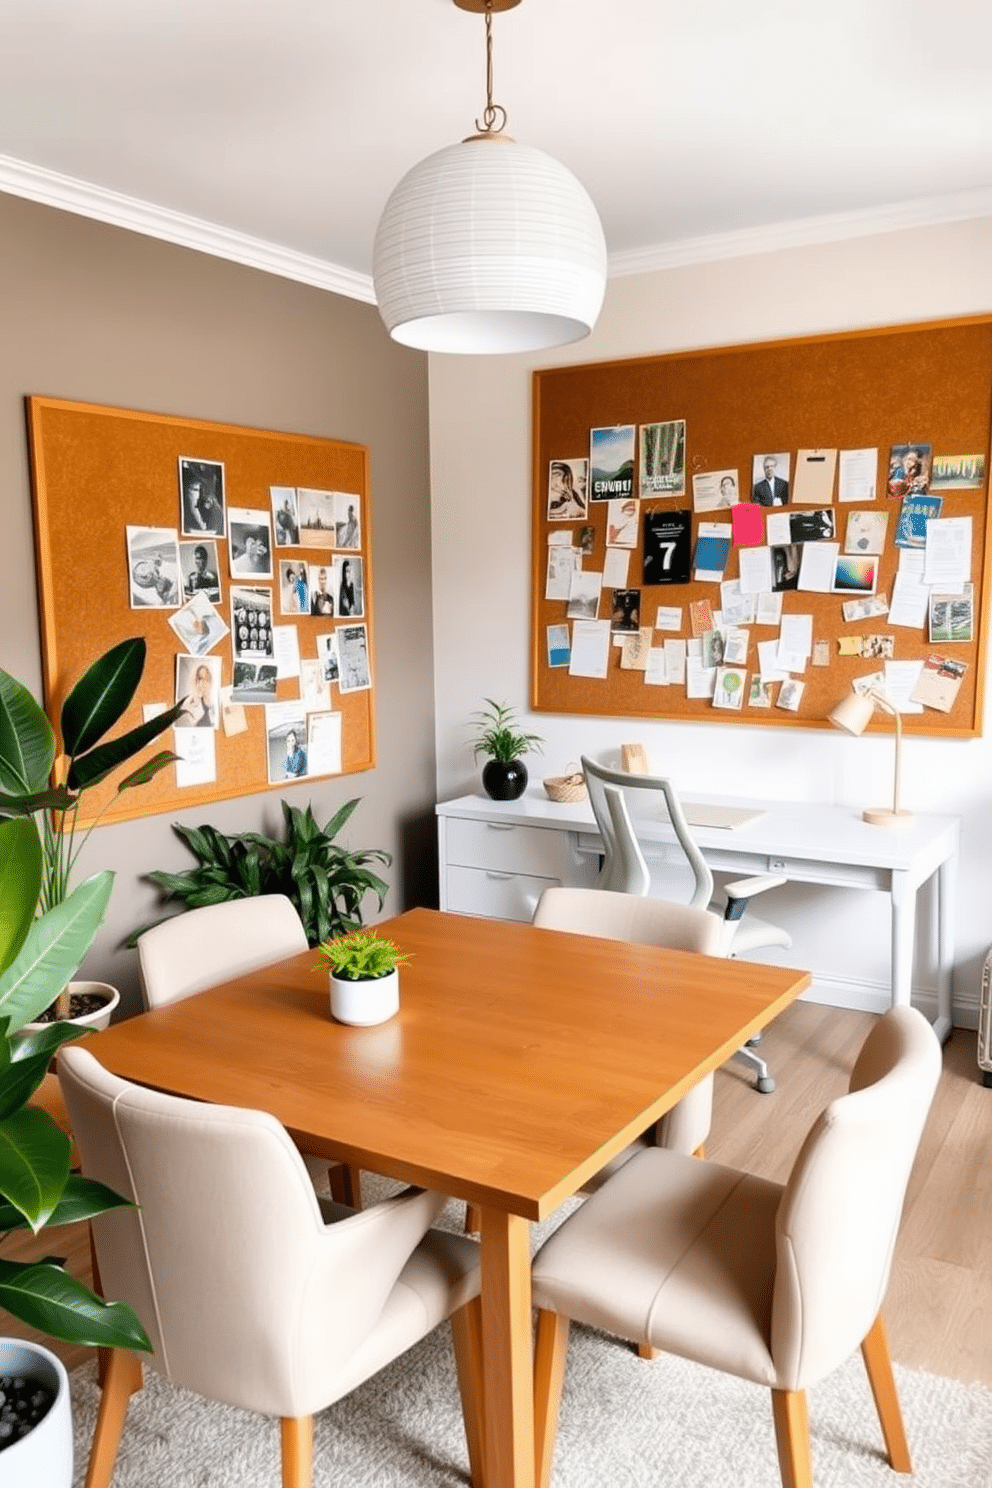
{"x":81,"y":758}
{"x":324,"y":880}
{"x":38,"y":955}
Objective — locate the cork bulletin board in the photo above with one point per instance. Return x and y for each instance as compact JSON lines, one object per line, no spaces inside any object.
{"x":97,"y":471}
{"x":927,"y":385}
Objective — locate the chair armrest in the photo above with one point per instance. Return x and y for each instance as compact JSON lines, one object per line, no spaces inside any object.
{"x":743,"y":889}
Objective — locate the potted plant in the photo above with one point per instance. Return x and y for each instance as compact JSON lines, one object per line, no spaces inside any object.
{"x":29,"y":752}
{"x":498,"y":735}
{"x":38,"y":954}
{"x":324,"y":880}
{"x":364,"y":977}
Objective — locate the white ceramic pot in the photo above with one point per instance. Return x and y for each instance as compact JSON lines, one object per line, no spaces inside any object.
{"x":97,"y":1020}
{"x":365,"y":1003}
{"x":44,"y":1456}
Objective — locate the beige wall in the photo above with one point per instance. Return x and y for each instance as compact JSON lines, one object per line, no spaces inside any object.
{"x":93,"y":313}
{"x":480,"y":482}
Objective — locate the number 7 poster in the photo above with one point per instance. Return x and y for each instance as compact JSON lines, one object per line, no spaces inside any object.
{"x":667,"y":547}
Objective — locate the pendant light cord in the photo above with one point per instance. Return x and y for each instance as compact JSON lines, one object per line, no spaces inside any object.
{"x":494,"y":116}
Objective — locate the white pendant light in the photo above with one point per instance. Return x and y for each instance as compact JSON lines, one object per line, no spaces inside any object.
{"x":488,"y":245}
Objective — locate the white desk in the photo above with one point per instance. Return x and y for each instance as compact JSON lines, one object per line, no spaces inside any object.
{"x":497,"y":857}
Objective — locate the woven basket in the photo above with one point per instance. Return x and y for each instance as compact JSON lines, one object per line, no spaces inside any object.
{"x":567,"y":787}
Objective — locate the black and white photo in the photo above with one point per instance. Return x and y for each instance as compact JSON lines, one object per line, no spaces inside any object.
{"x":353,"y":650}
{"x":200,"y":569}
{"x":250,"y":542}
{"x":198,"y":687}
{"x":251,"y":623}
{"x":201,"y":496}
{"x":348,"y":587}
{"x":153,"y":567}
{"x":348,"y":522}
{"x":285,"y":516}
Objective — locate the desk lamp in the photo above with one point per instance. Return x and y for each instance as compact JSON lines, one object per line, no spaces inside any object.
{"x":853,"y":714}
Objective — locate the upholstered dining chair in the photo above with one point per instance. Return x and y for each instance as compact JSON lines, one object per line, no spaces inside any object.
{"x":203,"y":947}
{"x":773,"y":1283}
{"x":613,"y":795}
{"x":252,"y":1292}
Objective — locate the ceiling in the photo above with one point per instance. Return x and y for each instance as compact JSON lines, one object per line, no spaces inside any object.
{"x":272,"y":131}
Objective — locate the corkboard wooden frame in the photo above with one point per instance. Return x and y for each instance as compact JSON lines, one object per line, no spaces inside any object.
{"x":97,"y":469}
{"x":929,"y":381}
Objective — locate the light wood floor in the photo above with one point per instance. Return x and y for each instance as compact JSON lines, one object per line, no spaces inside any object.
{"x":940,"y":1299}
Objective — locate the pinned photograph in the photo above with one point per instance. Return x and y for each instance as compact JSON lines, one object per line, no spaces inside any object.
{"x":730,"y":688}
{"x":321,"y":594}
{"x":567,"y":490}
{"x":811,"y":526}
{"x":315,"y":693}
{"x":587,"y":541}
{"x":353,"y":649}
{"x":294,"y":587}
{"x":198,"y":625}
{"x":198,"y":687}
{"x":200,"y":569}
{"x":285,"y":516}
{"x":713,"y":490}
{"x":286,"y":741}
{"x":347,"y":522}
{"x":327,"y":656}
{"x":201,"y":496}
{"x":318,"y":517}
{"x":770,"y":479}
{"x":790,"y":695}
{"x":559,"y":649}
{"x":254,"y":682}
{"x":855,"y":575}
{"x":625,"y":611}
{"x":583,"y":595}
{"x":663,"y":459}
{"x":952,"y":616}
{"x":909,"y":469}
{"x":251,"y":623}
{"x":250,"y":543}
{"x":611,"y":462}
{"x":759,"y":693}
{"x":153,"y":566}
{"x":939,"y":683}
{"x":957,"y":472}
{"x":348,"y":586}
{"x":786,"y":563}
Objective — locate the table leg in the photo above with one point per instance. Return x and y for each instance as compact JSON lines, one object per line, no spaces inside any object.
{"x":507,"y":1350}
{"x":946,"y":881}
{"x":903,"y":894}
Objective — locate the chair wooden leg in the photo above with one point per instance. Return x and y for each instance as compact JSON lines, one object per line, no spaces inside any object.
{"x":550,"y":1355}
{"x":123,"y":1377}
{"x":297,"y":1451}
{"x":466,"y":1337}
{"x":102,"y":1354}
{"x":878,"y":1363}
{"x":792,"y":1438}
{"x":700,"y":1152}
{"x":647,"y":1351}
{"x":473,"y":1222}
{"x":346,"y":1185}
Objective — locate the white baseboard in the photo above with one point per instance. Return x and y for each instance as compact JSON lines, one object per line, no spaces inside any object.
{"x":874,"y":997}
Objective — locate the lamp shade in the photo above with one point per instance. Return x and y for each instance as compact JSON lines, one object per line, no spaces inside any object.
{"x":853,"y":713}
{"x":489,"y":246}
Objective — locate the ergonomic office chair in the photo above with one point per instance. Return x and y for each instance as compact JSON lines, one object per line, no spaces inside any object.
{"x":613,"y":797}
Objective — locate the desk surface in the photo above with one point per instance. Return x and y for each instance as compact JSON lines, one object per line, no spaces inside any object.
{"x":520,"y":1061}
{"x":787,"y":829}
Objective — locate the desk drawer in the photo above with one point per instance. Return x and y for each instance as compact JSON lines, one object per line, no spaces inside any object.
{"x":506,"y":848}
{"x":495,"y":895}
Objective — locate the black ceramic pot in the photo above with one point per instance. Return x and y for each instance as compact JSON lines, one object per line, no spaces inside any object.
{"x":504,"y":780}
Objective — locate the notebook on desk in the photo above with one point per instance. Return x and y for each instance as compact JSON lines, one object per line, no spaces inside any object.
{"x":706,"y":814}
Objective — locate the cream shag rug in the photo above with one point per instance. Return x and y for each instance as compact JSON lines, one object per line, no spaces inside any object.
{"x":625,"y":1423}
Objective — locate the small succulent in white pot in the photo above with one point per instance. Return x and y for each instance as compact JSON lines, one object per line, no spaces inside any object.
{"x":364,"y":975}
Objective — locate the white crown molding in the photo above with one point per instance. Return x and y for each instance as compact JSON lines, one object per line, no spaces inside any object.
{"x":18,"y":178}
{"x":896,"y":217}
{"x":68,"y":193}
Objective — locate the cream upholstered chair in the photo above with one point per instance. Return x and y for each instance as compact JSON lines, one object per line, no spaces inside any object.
{"x":680,"y":927}
{"x":613,"y":795}
{"x":773,"y":1283}
{"x":251,"y":1292}
{"x":203,"y":947}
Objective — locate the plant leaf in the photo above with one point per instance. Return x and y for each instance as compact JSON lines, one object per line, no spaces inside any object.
{"x":55,"y":945}
{"x":30,"y":1056}
{"x":89,"y":769}
{"x":56,"y":799}
{"x":34,"y":1163}
{"x":148,"y":770}
{"x":47,"y":1298}
{"x":27,"y":739}
{"x":82,"y":1199}
{"x":102,"y":695}
{"x":20,"y":885}
{"x":339,"y":818}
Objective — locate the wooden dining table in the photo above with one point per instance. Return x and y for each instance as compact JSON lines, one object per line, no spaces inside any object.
{"x":520,"y":1062}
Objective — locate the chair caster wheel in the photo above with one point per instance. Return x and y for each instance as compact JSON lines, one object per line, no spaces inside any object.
{"x":987,"y":1078}
{"x":765,"y":1085}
